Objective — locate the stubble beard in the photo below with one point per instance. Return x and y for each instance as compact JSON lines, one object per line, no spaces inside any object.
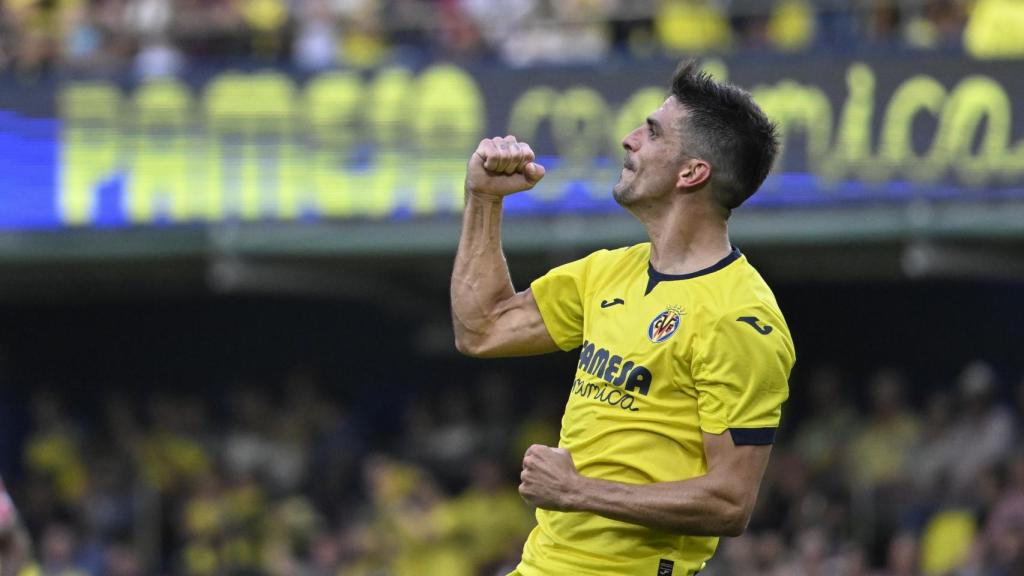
{"x":622,"y":192}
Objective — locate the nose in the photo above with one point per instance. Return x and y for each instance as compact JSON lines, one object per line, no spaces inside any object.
{"x":632,"y":140}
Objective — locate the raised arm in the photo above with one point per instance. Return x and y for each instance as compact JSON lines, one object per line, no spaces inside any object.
{"x":718,"y":503}
{"x":489,"y":316}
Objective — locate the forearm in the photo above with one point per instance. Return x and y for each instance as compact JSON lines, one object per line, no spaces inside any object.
{"x":700,"y":506}
{"x":480,"y":280}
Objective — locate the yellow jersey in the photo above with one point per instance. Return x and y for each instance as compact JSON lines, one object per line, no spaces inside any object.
{"x":663,"y":358}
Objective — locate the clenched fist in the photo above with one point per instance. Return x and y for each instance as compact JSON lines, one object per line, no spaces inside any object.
{"x":502,"y":166}
{"x":549,"y":479}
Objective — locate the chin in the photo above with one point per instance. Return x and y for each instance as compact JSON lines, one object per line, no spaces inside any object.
{"x":622,"y":195}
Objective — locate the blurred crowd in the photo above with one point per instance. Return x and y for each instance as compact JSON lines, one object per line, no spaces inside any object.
{"x":279,"y":483}
{"x":294,"y":482}
{"x":158,"y":37}
{"x":894,"y":489}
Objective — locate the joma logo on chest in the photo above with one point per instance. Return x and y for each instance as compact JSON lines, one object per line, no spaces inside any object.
{"x":614,"y":369}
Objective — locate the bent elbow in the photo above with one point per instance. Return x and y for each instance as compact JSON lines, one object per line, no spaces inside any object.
{"x":466,"y":346}
{"x":471,"y":345}
{"x":735,"y":521}
{"x":733,"y":529}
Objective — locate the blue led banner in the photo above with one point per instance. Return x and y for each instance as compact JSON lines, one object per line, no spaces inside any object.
{"x":392,"y":143}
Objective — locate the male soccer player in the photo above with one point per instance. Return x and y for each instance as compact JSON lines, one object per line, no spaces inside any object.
{"x":684,"y":357}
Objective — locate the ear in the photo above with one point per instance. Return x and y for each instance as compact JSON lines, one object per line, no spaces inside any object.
{"x":693,"y":173}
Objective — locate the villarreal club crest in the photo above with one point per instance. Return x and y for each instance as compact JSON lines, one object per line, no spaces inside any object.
{"x":665,"y":324}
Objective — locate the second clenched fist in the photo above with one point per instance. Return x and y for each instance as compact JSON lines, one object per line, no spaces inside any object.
{"x":501,"y":166}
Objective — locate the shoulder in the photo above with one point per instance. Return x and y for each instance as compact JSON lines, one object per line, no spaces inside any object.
{"x":740,"y":312}
{"x":736,"y":289}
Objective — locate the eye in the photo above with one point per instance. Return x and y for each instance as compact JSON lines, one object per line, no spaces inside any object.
{"x":650,"y":132}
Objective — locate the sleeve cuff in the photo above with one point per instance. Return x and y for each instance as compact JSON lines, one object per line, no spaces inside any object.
{"x":753,"y":436}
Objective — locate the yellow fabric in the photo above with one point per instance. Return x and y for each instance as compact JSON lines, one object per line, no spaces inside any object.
{"x":265,"y":14}
{"x":534,"y":430}
{"x":422,"y":545}
{"x":637,"y":408}
{"x":792,"y":26}
{"x":57,"y":454}
{"x":879,"y":453}
{"x":692,"y":26}
{"x":946,"y":541}
{"x":994,"y":29}
{"x":166,"y":459}
{"x":485,"y":524}
{"x":363,"y":50}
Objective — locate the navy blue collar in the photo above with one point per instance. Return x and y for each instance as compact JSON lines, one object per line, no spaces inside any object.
{"x":654,"y":277}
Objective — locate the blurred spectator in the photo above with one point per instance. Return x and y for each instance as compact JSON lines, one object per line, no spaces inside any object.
{"x":83,"y":42}
{"x":454,"y":439}
{"x":928,"y":465}
{"x":488,"y":519}
{"x":53,"y":453}
{"x":956,"y":450}
{"x":316,"y":42}
{"x":693,"y":26}
{"x":222,"y":527}
{"x":265,"y":442}
{"x":877,"y":461}
{"x":993,"y":29}
{"x":58,"y":549}
{"x":946,"y":541}
{"x":792,"y":25}
{"x":880,"y":450}
{"x":500,"y":21}
{"x":576,"y":31}
{"x":983,"y":432}
{"x":172,"y":455}
{"x":458,"y":35}
{"x":364,"y":41}
{"x":1004,"y":528}
{"x":935,"y":24}
{"x":158,"y":58}
{"x":902,"y":556}
{"x":265,"y":20}
{"x":122,"y":560}
{"x":823,"y":436}
{"x":164,"y":37}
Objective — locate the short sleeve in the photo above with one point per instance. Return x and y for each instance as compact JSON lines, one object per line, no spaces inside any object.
{"x":560,"y":297}
{"x":741,"y":372}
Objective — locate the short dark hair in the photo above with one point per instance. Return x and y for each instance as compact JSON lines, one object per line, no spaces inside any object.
{"x":728,"y":130}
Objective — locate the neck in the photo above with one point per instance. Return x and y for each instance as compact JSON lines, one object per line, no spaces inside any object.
{"x":686,"y":236}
